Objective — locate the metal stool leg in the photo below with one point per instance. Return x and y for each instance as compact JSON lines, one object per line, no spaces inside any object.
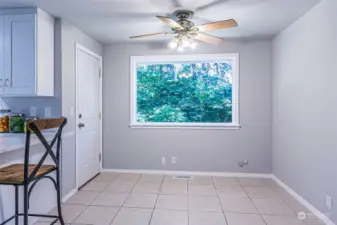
{"x":16,"y":205}
{"x":58,"y":189}
{"x":25,"y":204}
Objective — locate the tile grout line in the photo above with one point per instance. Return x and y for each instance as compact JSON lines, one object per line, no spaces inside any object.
{"x":120,"y":207}
{"x":217,"y":194}
{"x":250,"y":199}
{"x":281,"y":198}
{"x":87,"y":206}
{"x":155,"y":204}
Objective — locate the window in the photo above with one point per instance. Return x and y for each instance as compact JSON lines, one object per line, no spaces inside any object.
{"x":185,"y":91}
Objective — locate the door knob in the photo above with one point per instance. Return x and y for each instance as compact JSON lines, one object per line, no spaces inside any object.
{"x":80,"y":125}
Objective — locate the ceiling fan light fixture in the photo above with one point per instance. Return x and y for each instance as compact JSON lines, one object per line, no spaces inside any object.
{"x":180,"y":49}
{"x":173,"y":44}
{"x":193,"y":45}
{"x":181,"y":42}
{"x":185,"y":43}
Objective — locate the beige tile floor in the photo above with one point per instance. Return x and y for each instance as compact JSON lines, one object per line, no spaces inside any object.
{"x":135,"y":199}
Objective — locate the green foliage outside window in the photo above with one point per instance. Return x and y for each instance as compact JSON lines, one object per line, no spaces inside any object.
{"x":184,"y":93}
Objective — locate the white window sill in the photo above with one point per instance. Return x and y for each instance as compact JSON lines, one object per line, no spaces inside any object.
{"x":187,"y":126}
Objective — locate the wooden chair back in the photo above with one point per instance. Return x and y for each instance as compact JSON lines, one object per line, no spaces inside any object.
{"x":37,"y":126}
{"x":43,"y":124}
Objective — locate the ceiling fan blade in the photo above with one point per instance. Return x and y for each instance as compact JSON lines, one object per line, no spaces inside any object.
{"x":170,"y":22}
{"x":176,"y":3}
{"x":218,"y":25}
{"x":150,"y":35}
{"x":211,"y":4}
{"x":208,"y":38}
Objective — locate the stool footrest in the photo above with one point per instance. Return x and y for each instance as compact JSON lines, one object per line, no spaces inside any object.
{"x":42,"y":215}
{"x":34,"y":215}
{"x":57,"y":219}
{"x":9,"y":219}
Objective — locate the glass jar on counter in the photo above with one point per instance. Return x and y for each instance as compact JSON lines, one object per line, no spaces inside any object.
{"x":4,"y":120}
{"x":16,"y":123}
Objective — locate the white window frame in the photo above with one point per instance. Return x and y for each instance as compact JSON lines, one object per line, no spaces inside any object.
{"x":153,"y":59}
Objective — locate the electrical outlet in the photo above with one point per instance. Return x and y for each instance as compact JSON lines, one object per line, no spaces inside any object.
{"x":328,"y":202}
{"x":174,"y":160}
{"x":163,"y":161}
{"x":243,"y":163}
{"x":32,"y":111}
{"x":47,"y":112}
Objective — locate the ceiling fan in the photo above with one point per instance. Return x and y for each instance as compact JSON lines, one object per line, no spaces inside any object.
{"x":186,"y":32}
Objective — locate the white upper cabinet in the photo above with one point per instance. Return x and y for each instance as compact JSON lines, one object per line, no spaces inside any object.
{"x":2,"y":53}
{"x":20,"y":55}
{"x":28,"y":56}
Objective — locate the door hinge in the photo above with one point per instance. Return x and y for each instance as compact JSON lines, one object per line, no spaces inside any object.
{"x":100,"y":73}
{"x":100,"y":157}
{"x":100,"y":115}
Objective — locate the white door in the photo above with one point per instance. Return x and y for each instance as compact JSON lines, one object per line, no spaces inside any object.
{"x":88,"y":115}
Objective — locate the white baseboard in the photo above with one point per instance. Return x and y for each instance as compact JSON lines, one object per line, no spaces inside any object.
{"x":67,"y":196}
{"x":190,"y":173}
{"x":299,"y":198}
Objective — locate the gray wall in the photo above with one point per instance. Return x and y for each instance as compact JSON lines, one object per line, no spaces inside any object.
{"x":70,"y":35}
{"x":305,"y":105}
{"x":196,"y":150}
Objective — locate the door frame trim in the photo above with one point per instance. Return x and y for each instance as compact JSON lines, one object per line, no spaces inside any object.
{"x":79,"y":47}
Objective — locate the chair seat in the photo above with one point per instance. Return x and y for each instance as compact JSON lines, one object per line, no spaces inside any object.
{"x":14,"y":174}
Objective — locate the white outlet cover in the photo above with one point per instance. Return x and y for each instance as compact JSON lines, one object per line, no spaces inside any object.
{"x":163,"y":161}
{"x":47,"y":112}
{"x":174,"y":160}
{"x":328,"y":202}
{"x":32,"y":111}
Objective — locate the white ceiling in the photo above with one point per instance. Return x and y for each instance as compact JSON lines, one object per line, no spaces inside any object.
{"x":111,"y":21}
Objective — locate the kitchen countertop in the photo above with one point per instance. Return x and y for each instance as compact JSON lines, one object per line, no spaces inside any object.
{"x":15,"y":141}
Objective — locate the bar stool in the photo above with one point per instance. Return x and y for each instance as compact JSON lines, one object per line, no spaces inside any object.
{"x":26,"y":174}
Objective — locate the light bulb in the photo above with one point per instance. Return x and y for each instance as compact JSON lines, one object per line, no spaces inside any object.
{"x":173,"y":44}
{"x":180,"y":49}
{"x":185,"y":43}
{"x":193,"y":45}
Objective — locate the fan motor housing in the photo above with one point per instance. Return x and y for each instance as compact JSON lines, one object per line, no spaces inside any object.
{"x":182,"y":18}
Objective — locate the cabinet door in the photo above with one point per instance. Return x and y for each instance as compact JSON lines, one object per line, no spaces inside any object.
{"x":2,"y":53}
{"x":20,"y":55}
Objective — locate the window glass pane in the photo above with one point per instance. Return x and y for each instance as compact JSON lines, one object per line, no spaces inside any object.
{"x":198,"y":92}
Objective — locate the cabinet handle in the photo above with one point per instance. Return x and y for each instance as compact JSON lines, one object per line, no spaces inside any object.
{"x":7,"y":80}
{"x":1,"y":82}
